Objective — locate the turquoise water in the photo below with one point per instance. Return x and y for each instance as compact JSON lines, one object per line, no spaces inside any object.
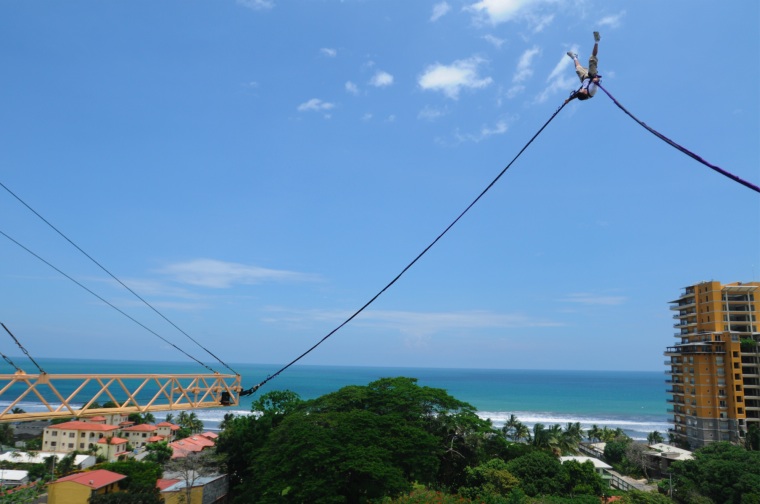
{"x":633,"y":401}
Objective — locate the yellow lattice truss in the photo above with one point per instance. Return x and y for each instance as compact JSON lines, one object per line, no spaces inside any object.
{"x":81,"y":395}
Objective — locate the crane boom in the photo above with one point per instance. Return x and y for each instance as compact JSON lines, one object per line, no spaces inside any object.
{"x":80,"y":395}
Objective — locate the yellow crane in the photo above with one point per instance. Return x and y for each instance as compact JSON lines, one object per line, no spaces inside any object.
{"x":81,"y":395}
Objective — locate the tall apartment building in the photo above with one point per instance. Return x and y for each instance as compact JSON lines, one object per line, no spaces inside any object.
{"x":714,"y":370}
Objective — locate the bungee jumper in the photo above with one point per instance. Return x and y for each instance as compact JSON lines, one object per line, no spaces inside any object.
{"x":588,"y":76}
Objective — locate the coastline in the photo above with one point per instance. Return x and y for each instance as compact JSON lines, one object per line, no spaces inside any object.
{"x":631,"y":400}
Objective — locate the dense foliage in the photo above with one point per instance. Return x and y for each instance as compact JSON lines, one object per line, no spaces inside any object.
{"x":375,"y":442}
{"x":720,"y":472}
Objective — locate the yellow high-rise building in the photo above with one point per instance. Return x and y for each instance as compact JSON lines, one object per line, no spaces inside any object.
{"x":714,"y":370}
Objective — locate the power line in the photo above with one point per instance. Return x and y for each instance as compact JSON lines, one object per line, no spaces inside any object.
{"x":408,"y":266}
{"x":113,"y":276}
{"x":108,"y":303}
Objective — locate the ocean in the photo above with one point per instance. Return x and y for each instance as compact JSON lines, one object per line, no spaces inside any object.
{"x":631,"y":400}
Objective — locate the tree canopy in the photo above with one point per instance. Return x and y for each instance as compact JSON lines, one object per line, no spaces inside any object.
{"x":356,"y":444}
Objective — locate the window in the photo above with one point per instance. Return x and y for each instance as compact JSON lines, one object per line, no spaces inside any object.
{"x":52,"y":443}
{"x":72,"y":434}
{"x":81,"y":445}
{"x":54,"y":433}
{"x":71,"y":445}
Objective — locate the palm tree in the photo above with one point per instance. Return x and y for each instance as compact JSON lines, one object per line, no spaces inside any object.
{"x":510,"y":427}
{"x":570,"y":438}
{"x":194,"y":423}
{"x":654,"y":437}
{"x":545,"y":439}
{"x":522,"y":432}
{"x":169,"y":418}
{"x":228,"y":418}
{"x":594,"y":433}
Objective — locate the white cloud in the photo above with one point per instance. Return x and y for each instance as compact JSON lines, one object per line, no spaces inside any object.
{"x":367,"y":117}
{"x":430,"y":113}
{"x":450,"y":79}
{"x":594,"y":299}
{"x":330,"y":53}
{"x":381,"y":79}
{"x":485,"y":132}
{"x":561,"y":79}
{"x":315,"y":105}
{"x":523,"y":72}
{"x":414,"y":323}
{"x":257,"y":4}
{"x":612,"y":21}
{"x":352,"y":88}
{"x":524,"y":66}
{"x":220,"y":274}
{"x":500,"y":11}
{"x":439,"y":10}
{"x":494,"y":41}
{"x":542,"y":22}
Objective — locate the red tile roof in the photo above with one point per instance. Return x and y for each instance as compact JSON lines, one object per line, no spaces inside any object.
{"x":163,"y":484}
{"x":193,"y":444}
{"x":141,"y":428}
{"x":210,"y":435}
{"x":93,"y":479}
{"x":86,"y":426}
{"x":155,"y":439}
{"x":170,"y":425}
{"x":113,"y":440}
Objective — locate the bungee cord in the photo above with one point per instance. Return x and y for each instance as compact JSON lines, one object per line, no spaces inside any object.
{"x":103,"y":268}
{"x":679,"y":147}
{"x":253,"y":389}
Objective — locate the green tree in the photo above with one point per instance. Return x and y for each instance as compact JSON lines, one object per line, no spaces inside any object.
{"x":510,"y":427}
{"x":66,"y":465}
{"x":539,"y":473}
{"x":191,"y":467}
{"x":639,"y":497}
{"x":489,"y":480}
{"x":141,"y":477}
{"x":243,"y":436}
{"x":721,"y":472}
{"x":581,"y":479}
{"x":159,"y":453}
{"x":357,"y":444}
{"x":6,"y":434}
{"x":655,"y":437}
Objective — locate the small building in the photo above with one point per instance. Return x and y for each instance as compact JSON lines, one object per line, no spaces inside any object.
{"x":193,"y":444}
{"x":661,"y":455}
{"x":81,"y":461}
{"x":205,"y":490}
{"x":75,"y":435}
{"x":167,"y":430}
{"x":111,"y":448}
{"x":79,"y":488}
{"x":139,"y":435}
{"x":13,"y":478}
{"x":600,"y":467}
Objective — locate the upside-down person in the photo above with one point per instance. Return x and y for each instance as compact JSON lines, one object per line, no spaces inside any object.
{"x":588,"y":76}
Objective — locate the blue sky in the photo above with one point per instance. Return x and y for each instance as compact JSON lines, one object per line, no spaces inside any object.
{"x":259,"y":169}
